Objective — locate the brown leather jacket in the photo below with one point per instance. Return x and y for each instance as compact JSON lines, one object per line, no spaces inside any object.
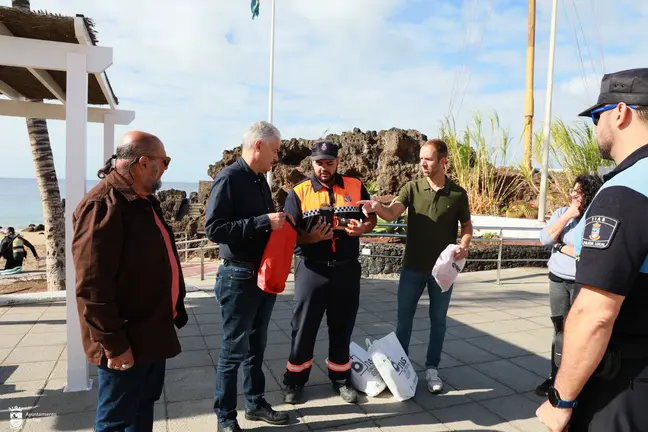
{"x":123,"y":276}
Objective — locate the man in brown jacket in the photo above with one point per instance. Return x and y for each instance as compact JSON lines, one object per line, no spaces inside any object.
{"x":129,"y":285}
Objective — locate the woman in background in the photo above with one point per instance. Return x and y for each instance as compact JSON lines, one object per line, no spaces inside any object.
{"x":559,"y":234}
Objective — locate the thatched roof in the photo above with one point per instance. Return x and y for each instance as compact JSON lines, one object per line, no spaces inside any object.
{"x":45,"y":26}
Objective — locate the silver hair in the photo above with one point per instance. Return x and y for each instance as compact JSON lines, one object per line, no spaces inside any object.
{"x":261,"y":130}
{"x":125,"y":152}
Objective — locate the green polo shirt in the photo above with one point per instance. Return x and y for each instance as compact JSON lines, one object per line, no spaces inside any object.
{"x":432,"y":221}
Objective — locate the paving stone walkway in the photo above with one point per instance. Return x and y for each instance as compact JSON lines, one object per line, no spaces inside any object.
{"x":496,"y":352}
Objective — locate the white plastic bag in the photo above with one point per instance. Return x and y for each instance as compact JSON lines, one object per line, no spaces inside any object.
{"x":394,"y":366}
{"x":364,"y":375}
{"x":446,"y":269}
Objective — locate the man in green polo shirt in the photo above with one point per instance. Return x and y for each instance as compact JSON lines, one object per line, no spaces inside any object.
{"x":435,"y":207}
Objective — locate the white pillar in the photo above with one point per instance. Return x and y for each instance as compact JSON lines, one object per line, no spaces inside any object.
{"x":109,"y":136}
{"x":75,"y":177}
{"x":544,"y":180}
{"x":271,"y":86}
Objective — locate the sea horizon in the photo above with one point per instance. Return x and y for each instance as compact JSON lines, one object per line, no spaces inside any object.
{"x":20,"y":203}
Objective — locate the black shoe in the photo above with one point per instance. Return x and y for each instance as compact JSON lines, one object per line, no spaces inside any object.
{"x":293,"y":394}
{"x":348,"y":393}
{"x":543,"y":389}
{"x":235,"y":428}
{"x":268,"y":415}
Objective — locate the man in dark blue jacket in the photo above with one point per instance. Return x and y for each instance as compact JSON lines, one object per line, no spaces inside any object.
{"x":240,"y":216}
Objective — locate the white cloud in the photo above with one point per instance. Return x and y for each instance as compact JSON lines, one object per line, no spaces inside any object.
{"x":339,"y":64}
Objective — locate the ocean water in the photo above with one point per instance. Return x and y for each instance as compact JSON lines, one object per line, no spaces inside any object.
{"x":20,"y":203}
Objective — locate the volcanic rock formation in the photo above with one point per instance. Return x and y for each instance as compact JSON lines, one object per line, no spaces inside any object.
{"x":389,"y":158}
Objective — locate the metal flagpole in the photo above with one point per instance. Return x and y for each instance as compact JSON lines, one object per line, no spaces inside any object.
{"x":542,"y":205}
{"x":271,"y":89}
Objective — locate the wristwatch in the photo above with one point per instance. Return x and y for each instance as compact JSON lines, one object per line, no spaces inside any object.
{"x":558,"y":246}
{"x":555,"y":401}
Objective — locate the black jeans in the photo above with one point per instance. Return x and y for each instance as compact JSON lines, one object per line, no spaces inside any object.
{"x":13,"y":263}
{"x":127,"y":397}
{"x":246,"y":312}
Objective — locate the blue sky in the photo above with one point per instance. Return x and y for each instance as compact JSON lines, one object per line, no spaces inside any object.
{"x":196,"y":72}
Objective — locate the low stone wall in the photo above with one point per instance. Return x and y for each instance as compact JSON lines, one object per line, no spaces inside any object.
{"x":380,"y":265}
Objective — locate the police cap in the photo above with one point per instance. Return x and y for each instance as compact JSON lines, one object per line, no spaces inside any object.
{"x":627,"y":86}
{"x":324,"y":150}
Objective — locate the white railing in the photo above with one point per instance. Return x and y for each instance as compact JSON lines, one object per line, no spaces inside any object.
{"x":501,"y":239}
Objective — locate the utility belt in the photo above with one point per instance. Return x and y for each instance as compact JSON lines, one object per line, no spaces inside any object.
{"x":613,"y":357}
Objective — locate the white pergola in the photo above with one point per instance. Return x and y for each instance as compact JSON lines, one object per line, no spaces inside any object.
{"x":78,"y":60}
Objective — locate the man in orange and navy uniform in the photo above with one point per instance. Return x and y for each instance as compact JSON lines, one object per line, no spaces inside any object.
{"x":327,"y":275}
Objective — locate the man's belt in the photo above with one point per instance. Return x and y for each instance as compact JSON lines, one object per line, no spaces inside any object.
{"x":244,"y":264}
{"x":332,"y":263}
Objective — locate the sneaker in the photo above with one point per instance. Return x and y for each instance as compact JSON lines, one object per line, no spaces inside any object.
{"x":268,"y":415}
{"x":348,"y":393}
{"x":293,"y":394}
{"x":543,"y":389}
{"x":435,"y":385}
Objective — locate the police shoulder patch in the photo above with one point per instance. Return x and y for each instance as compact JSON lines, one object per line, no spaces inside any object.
{"x":599,"y":231}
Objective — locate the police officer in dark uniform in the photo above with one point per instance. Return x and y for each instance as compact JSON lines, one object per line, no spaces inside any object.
{"x":327,"y":275}
{"x":602,"y":382}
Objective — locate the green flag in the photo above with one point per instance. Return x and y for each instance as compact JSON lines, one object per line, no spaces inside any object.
{"x":255,"y":8}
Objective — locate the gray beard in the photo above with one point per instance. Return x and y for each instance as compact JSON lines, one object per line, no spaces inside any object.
{"x":156,"y":186}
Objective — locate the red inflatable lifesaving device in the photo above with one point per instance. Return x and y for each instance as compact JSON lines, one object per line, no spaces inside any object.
{"x":277,"y":259}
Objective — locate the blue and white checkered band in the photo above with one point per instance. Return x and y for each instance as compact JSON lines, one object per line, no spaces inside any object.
{"x":345,"y":209}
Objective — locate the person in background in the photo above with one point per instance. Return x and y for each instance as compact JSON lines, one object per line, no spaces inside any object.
{"x":12,"y":248}
{"x":436,"y":208}
{"x":129,"y":285}
{"x":559,"y":234}
{"x":240,"y":215}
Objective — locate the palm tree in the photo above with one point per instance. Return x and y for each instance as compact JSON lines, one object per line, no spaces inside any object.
{"x":53,"y":213}
{"x":21,"y":4}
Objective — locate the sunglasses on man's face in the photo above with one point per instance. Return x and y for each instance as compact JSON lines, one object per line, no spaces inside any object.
{"x":596,"y":114}
{"x":166,"y":160}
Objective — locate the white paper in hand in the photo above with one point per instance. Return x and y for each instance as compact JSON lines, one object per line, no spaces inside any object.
{"x":446,"y":269}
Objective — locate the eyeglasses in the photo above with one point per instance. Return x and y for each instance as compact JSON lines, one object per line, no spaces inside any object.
{"x":573,"y":191}
{"x":596,"y":114}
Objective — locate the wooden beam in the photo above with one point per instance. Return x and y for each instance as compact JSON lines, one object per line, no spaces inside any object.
{"x":40,"y":54}
{"x":46,"y":79}
{"x":83,"y":37}
{"x":9,"y":91}
{"x":55,"y":111}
